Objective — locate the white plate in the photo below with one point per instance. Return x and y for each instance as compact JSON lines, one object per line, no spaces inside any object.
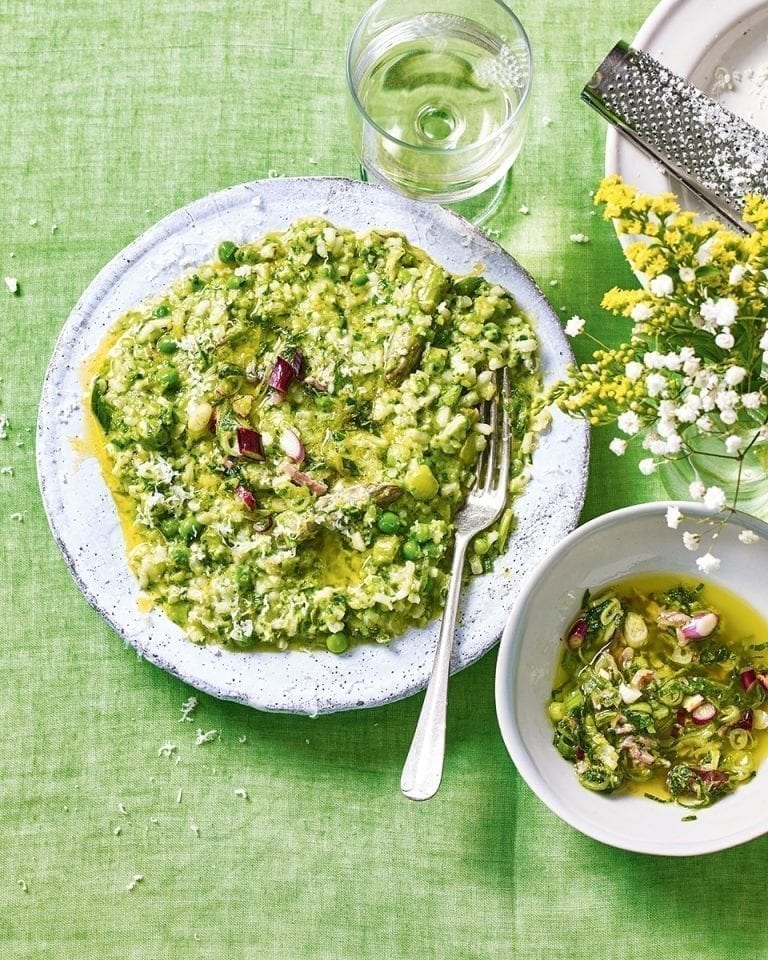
{"x":83,"y":517}
{"x":700,"y":40}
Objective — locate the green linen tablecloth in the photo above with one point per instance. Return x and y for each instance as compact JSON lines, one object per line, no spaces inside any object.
{"x":284,"y":838}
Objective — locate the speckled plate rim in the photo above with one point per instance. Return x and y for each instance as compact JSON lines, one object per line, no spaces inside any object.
{"x":84,"y":522}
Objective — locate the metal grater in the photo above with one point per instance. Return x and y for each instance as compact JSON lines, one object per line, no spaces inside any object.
{"x":715,"y":154}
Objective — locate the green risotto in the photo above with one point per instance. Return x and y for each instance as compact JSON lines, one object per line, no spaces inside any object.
{"x":663,"y":684}
{"x":289,"y":432}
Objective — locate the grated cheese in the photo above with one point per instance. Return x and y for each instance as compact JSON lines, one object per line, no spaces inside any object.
{"x":207,"y":737}
{"x":579,"y":238}
{"x":187,"y":708}
{"x":135,"y":880}
{"x":166,"y":750}
{"x":240,"y":792}
{"x":12,"y":283}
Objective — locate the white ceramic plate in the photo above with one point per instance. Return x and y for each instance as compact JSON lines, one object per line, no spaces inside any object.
{"x":84,"y":521}
{"x":614,"y":547}
{"x":721,"y":48}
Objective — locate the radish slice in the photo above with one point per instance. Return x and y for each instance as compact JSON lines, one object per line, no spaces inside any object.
{"x":577,"y":634}
{"x":244,"y":494}
{"x":745,"y":723}
{"x":748,"y":678}
{"x":249,"y":443}
{"x":712,"y":776}
{"x":699,"y":626}
{"x":283,"y":374}
{"x":704,"y":713}
{"x":292,"y":446}
{"x":304,"y":479}
{"x":297,"y":363}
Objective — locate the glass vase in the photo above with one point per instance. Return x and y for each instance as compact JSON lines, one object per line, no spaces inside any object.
{"x":709,"y":465}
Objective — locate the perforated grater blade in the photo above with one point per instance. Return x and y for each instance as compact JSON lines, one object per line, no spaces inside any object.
{"x":715,"y":154}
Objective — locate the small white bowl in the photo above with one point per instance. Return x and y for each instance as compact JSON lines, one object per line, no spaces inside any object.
{"x":609,"y":548}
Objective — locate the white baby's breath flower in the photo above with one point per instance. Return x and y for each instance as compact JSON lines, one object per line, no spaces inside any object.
{"x":737,"y":274}
{"x":674,"y":443}
{"x":733,"y":443}
{"x":704,"y":253}
{"x":655,"y":383}
{"x":655,"y":445}
{"x":662,"y":286}
{"x":647,"y":466}
{"x":696,"y":490}
{"x":718,"y":313}
{"x":691,"y":541}
{"x":714,"y":498}
{"x":674,"y":516}
{"x":618,"y":446}
{"x":748,"y":536}
{"x":728,"y":416}
{"x":687,"y":274}
{"x":641,"y":312}
{"x":575,"y":326}
{"x":633,"y":370}
{"x":708,"y":563}
{"x":726,"y":399}
{"x":628,"y":422}
{"x":653,"y":360}
{"x":704,"y":424}
{"x":734,"y":375}
{"x":751,"y":401}
{"x":725,"y":341}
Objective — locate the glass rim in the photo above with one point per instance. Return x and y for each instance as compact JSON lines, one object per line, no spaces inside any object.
{"x":426,"y":148}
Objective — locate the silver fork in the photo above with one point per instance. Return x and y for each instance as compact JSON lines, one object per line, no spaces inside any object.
{"x":423,"y":769}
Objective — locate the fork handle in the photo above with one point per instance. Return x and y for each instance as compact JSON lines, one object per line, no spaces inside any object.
{"x":423,"y":769}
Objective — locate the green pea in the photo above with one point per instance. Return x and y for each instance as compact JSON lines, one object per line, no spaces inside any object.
{"x":359,"y":278}
{"x":481,"y":546}
{"x":190,"y":530}
{"x":169,"y":528}
{"x":411,"y":550}
{"x":491,"y":332}
{"x":180,"y":556}
{"x":227,"y":251}
{"x":167,"y":346}
{"x":235,"y":282}
{"x":324,"y":402}
{"x":168,"y":377}
{"x":243,"y":578}
{"x":337,"y":642}
{"x":388,"y":522}
{"x":162,"y":310}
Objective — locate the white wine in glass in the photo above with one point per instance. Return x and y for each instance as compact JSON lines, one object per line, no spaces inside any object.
{"x":438,"y":98}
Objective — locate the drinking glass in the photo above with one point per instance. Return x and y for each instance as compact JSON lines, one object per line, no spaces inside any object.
{"x":438,"y":99}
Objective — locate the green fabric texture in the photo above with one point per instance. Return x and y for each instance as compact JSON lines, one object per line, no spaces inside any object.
{"x":284,"y":838}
